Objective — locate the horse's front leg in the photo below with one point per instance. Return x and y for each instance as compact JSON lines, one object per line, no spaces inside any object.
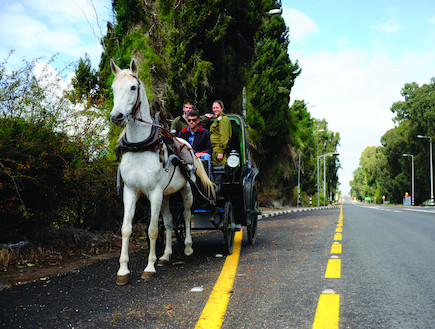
{"x":186,"y":192}
{"x":153,"y":231}
{"x":130,"y":199}
{"x":167,"y":220}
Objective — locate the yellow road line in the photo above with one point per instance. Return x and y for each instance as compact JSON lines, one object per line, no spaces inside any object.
{"x":327,"y":312}
{"x":337,"y":237}
{"x":336,"y":248}
{"x":214,"y":311}
{"x":338,"y":230}
{"x":333,"y":269}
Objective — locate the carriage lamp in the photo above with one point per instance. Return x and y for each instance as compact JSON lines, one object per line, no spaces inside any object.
{"x":233,"y":159}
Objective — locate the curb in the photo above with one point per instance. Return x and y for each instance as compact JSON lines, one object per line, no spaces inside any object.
{"x":294,"y":210}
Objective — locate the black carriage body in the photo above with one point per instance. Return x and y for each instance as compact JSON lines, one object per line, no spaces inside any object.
{"x":236,"y":185}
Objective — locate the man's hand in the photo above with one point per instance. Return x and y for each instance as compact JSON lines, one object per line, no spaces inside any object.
{"x":219,"y":156}
{"x":198,"y":154}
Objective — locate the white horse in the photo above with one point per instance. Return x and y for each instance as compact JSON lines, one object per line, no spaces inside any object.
{"x":142,"y":171}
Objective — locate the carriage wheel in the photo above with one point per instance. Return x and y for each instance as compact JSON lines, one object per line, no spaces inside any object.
{"x":229,"y":228}
{"x":252,"y":228}
{"x":180,"y":230}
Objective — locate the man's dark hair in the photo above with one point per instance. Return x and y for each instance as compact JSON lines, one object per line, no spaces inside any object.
{"x":193,"y":113}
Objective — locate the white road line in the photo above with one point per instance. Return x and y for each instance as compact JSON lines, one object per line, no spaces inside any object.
{"x":420,"y":210}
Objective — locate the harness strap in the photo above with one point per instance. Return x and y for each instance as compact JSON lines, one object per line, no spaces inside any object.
{"x":170,"y":180}
{"x":150,"y":143}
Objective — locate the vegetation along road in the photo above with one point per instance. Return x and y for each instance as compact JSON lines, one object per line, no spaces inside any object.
{"x":348,"y":267}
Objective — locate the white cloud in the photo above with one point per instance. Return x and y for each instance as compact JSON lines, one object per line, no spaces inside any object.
{"x":44,"y":29}
{"x":390,"y":26}
{"x":300,"y":24}
{"x":353,"y":88}
{"x":354,"y":91}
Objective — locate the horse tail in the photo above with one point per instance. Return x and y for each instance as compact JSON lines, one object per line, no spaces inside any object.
{"x":207,"y":184}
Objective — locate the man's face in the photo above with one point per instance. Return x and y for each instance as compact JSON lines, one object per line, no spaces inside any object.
{"x":192,"y":122}
{"x":187,"y":108}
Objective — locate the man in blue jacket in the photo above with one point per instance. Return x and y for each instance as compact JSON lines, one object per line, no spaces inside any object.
{"x":198,"y":137}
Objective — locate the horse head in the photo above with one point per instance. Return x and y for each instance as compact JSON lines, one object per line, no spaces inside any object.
{"x":126,"y":92}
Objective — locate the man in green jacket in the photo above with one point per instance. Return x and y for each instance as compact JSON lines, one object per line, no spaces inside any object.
{"x":180,"y":122}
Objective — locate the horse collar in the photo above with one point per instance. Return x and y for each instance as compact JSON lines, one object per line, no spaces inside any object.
{"x":151,"y":143}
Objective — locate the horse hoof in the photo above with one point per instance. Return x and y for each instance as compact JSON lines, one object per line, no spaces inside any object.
{"x":148,"y":275}
{"x":122,"y":280}
{"x":162,"y":262}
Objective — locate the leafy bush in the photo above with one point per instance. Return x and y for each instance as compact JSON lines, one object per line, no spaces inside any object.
{"x":33,"y":161}
{"x":46,"y":181}
{"x":54,"y":170}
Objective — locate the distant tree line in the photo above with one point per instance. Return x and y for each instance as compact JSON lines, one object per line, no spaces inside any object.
{"x":385,"y":170}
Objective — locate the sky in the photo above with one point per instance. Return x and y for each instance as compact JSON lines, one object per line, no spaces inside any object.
{"x":355,"y":56}
{"x":68,"y":28}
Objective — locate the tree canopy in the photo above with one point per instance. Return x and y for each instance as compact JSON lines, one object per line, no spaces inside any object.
{"x":388,"y":172}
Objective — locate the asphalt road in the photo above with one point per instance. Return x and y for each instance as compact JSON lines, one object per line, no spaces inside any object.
{"x":386,"y":281}
{"x":388,"y":268}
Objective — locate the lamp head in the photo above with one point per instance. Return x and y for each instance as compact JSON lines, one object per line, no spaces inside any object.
{"x":277,"y":11}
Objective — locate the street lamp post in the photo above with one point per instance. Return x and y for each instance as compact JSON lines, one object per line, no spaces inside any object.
{"x":318,"y":197}
{"x":299,"y":181}
{"x":318,"y":164}
{"x":412,"y":176}
{"x":324,"y":175}
{"x":431,"y":165}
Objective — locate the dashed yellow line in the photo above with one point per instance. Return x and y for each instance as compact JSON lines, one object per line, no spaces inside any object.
{"x":338,"y":237}
{"x":333,"y":269}
{"x":327,"y":312}
{"x":214,"y":311}
{"x":336,"y":248}
{"x":328,"y":307}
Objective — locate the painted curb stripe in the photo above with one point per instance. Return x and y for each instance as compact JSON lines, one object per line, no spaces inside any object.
{"x":338,"y":230}
{"x":214,"y":311}
{"x":338,"y":237}
{"x":327,"y":312}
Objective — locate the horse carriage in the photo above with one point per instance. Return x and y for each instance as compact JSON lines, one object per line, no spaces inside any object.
{"x":236,"y":202}
{"x":158,"y":165}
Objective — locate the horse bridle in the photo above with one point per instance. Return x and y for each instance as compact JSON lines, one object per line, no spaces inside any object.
{"x":138,"y":102}
{"x":137,"y":105}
